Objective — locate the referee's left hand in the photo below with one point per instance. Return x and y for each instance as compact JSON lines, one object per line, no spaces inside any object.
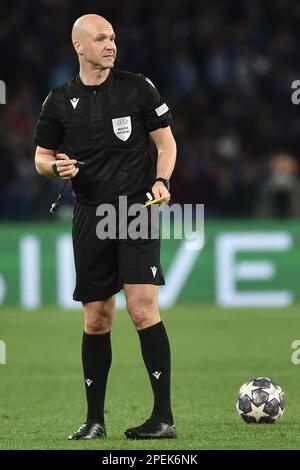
{"x":159,"y":190}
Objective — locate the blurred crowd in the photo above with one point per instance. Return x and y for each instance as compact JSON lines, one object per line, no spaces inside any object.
{"x":225,"y":68}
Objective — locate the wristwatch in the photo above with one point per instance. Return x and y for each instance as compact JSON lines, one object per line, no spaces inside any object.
{"x":54,"y":169}
{"x":165,"y":181}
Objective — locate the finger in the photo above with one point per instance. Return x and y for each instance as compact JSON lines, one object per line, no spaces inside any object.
{"x":69,"y":174}
{"x":62,"y":156}
{"x":156,"y":192}
{"x":60,"y":163}
{"x":66,"y":173}
{"x":164,"y":193}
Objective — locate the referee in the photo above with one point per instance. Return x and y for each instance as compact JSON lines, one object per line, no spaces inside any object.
{"x":103,"y":117}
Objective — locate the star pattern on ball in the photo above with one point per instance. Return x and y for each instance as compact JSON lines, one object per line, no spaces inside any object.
{"x":274,"y":393}
{"x":247,"y":389}
{"x":257,"y":412}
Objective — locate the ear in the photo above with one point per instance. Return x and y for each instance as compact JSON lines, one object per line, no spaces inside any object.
{"x":78,"y":47}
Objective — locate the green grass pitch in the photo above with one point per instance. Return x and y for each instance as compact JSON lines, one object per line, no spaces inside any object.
{"x":214,"y":351}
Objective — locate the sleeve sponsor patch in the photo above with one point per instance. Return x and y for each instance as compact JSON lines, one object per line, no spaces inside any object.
{"x":161,"y":109}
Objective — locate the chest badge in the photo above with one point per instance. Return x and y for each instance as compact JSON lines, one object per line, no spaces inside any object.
{"x":74,"y":102}
{"x":122,"y":127}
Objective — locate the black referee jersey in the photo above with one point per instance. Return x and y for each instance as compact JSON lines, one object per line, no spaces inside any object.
{"x":106,"y":126}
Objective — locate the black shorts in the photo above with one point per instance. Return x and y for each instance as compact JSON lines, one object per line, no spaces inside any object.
{"x":103,"y":266}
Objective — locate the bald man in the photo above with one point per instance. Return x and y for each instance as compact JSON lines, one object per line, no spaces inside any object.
{"x":104,"y":117}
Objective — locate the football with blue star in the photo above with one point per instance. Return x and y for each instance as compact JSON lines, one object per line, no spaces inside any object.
{"x":260,"y":401}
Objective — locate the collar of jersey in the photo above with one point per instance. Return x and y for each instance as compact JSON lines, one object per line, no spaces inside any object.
{"x":93,"y":88}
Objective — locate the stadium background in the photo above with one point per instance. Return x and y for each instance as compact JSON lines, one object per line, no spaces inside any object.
{"x":226,"y":71}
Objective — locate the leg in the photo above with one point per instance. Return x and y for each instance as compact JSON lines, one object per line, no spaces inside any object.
{"x":142,"y":304}
{"x":141,"y":273}
{"x":96,"y":354}
{"x":98,"y":316}
{"x":97,"y":277}
{"x":96,"y":361}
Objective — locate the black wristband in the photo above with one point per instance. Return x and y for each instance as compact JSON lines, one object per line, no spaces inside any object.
{"x":165,"y":181}
{"x":54,"y":169}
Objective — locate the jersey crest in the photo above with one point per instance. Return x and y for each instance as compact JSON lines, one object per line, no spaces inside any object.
{"x":122,"y":127}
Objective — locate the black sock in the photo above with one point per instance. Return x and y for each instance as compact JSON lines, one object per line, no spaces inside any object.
{"x":96,"y":361}
{"x":156,"y":354}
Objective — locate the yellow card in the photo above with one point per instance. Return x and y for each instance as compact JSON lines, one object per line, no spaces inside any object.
{"x":155,"y":201}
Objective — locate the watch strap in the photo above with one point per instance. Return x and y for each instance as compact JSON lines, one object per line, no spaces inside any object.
{"x":54,"y":169}
{"x":165,"y":182}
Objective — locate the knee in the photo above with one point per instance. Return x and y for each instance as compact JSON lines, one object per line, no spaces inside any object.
{"x":98,"y":317}
{"x":143,"y":311}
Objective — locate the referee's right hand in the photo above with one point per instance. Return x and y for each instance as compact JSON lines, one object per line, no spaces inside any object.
{"x":66,"y":167}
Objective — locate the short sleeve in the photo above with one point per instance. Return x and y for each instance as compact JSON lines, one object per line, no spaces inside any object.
{"x":155,"y":111}
{"x":49,"y":132}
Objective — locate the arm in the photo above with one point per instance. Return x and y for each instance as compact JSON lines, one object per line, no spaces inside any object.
{"x":48,"y":137}
{"x":44,"y":159}
{"x":166,"y":149}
